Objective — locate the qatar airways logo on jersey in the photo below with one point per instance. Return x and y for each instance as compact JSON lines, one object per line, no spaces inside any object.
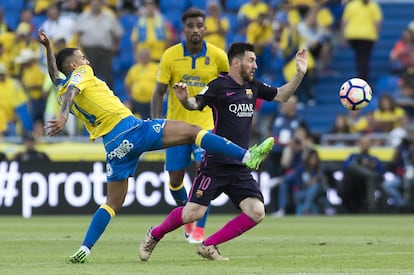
{"x":242,"y":110}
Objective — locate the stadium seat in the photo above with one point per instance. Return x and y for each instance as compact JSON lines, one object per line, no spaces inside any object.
{"x":128,"y":21}
{"x":116,"y":64}
{"x":178,"y":5}
{"x":12,"y":18}
{"x":386,"y":84}
{"x":174,"y":17}
{"x":119,"y":87}
{"x":232,"y":18}
{"x":201,"y":4}
{"x":234,"y":5}
{"x":38,"y":20}
{"x":13,"y":4}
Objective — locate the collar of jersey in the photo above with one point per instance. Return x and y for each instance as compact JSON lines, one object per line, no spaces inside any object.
{"x":61,"y":81}
{"x":202,"y":53}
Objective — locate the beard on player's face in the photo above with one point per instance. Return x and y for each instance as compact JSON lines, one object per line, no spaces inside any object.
{"x":246,"y":73}
{"x":195,"y":39}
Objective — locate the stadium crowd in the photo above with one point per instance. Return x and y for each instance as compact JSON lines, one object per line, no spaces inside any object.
{"x":124,"y":40}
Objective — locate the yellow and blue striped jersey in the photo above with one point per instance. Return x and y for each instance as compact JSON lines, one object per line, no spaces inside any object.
{"x":196,"y":71}
{"x":96,"y":105}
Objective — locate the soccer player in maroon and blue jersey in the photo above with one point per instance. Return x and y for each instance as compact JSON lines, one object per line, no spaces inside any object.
{"x":232,"y":98}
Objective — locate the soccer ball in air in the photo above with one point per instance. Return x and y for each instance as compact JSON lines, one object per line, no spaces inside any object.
{"x":355,"y":94}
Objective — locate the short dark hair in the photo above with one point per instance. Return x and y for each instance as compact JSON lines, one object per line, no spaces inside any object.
{"x":62,"y":55}
{"x":191,"y":13}
{"x":238,"y":49}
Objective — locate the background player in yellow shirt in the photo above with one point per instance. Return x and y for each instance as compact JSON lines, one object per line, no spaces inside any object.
{"x":125,"y":137}
{"x":194,"y":62}
{"x":140,"y":83}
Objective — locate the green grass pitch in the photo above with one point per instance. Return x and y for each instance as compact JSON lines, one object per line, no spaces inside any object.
{"x":291,"y":245}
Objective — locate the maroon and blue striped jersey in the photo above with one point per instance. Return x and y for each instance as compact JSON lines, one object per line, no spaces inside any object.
{"x":233,"y":107}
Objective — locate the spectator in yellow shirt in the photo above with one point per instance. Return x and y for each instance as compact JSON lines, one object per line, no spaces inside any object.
{"x":22,"y":40}
{"x":315,"y":35}
{"x":388,"y":115}
{"x":260,"y":34}
{"x":289,"y":43}
{"x":140,"y":83}
{"x":216,"y":25}
{"x":152,"y":31}
{"x":13,"y":104}
{"x":32,"y":78}
{"x":5,"y":58}
{"x":361,"y":22}
{"x":250,"y":11}
{"x":3,"y":25}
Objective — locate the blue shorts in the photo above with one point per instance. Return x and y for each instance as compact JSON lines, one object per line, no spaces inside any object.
{"x":127,"y":141}
{"x":235,"y":181}
{"x":179,"y":157}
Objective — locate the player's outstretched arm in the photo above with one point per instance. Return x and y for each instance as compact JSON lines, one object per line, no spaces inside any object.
{"x":55,"y":126}
{"x":51,"y":61}
{"x":157,"y":98}
{"x":190,"y":103}
{"x":287,"y":90}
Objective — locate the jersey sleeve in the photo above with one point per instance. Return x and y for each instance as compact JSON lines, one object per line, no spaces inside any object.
{"x":81,"y":77}
{"x":266,"y":91}
{"x":202,"y":98}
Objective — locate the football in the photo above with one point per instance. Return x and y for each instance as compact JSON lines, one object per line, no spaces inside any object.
{"x":355,"y":94}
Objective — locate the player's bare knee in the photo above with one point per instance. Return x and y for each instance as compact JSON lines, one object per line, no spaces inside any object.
{"x":254,"y":208}
{"x":192,"y":212}
{"x":194,"y":131}
{"x":257,"y":215}
{"x":191,"y":216}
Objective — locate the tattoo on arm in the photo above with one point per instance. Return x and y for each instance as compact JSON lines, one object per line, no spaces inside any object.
{"x":51,"y":65}
{"x":69,"y":96}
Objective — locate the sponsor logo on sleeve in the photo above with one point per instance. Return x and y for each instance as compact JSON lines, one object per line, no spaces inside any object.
{"x":76,"y":78}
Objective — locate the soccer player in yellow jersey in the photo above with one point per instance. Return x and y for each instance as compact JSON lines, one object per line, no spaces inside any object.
{"x":194,"y":62}
{"x":124,"y":136}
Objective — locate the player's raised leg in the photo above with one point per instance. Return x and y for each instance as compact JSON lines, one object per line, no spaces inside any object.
{"x":177,"y":132}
